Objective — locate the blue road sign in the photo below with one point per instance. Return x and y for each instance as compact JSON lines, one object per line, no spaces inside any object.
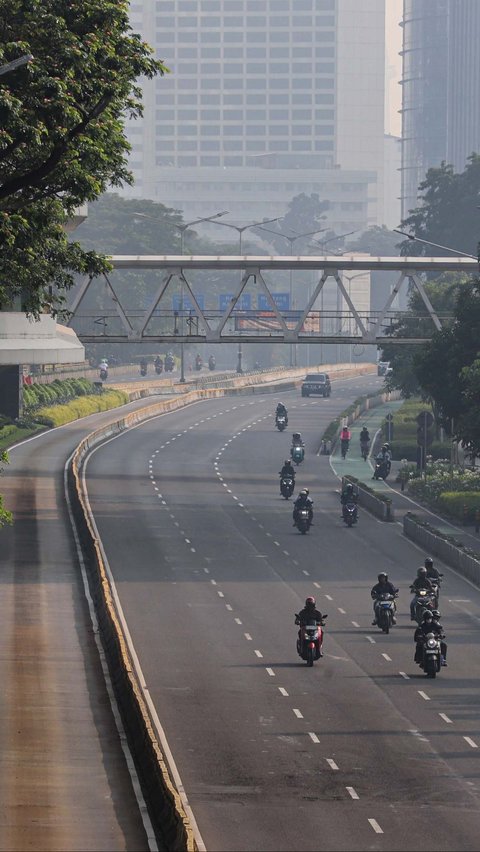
{"x":282,"y":301}
{"x":244,"y":303}
{"x":187,"y":302}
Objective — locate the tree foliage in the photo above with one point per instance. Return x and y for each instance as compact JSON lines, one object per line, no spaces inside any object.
{"x":377,"y":241}
{"x":448,"y":214}
{"x":448,"y":369}
{"x":5,"y":515}
{"x":61,"y":133}
{"x":305,"y":214}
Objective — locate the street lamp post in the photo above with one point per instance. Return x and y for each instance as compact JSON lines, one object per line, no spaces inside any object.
{"x":182,"y":229}
{"x":291,"y":240}
{"x":16,"y":63}
{"x":240,"y":230}
{"x":412,"y":237}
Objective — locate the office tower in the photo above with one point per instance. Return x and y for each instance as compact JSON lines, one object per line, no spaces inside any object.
{"x":441,"y":88}
{"x":266,"y":99}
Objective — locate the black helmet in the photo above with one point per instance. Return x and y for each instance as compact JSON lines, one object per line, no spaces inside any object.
{"x":310,"y":601}
{"x":428,"y":614}
{"x":287,"y":461}
{"x":428,"y":562}
{"x":421,"y":571}
{"x":306,"y":491}
{"x":436,"y":613}
{"x":382,"y":576}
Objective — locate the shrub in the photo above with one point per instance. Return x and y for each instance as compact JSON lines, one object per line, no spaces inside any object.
{"x":58,"y":415}
{"x":461,"y":505}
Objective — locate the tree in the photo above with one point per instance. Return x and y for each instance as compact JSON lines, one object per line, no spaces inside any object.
{"x":448,"y":371}
{"x":448,"y":214}
{"x":305,"y":214}
{"x":61,"y":134}
{"x":379,"y":242}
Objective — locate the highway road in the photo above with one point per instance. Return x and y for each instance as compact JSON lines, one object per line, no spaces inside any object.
{"x":361,"y":752}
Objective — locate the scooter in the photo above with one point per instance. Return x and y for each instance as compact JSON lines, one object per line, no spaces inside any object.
{"x":382,"y":468}
{"x":297,"y":453}
{"x":350,"y":513}
{"x":103,"y":374}
{"x":310,"y":641}
{"x":364,"y":449}
{"x":143,"y":369}
{"x":212,"y":362}
{"x":431,"y":655}
{"x":424,"y":599}
{"x":158,"y":366}
{"x":287,"y":486}
{"x":385,"y":611}
{"x":280,"y":422}
{"x":303,"y":520}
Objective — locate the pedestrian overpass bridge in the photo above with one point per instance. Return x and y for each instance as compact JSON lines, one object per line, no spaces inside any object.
{"x":229,"y":299}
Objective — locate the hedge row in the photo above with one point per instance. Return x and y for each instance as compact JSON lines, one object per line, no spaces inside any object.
{"x":407,"y":449}
{"x":461,"y":505}
{"x":58,"y":415}
{"x":59,"y":391}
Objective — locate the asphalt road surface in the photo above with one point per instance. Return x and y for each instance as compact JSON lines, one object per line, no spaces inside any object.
{"x":362,"y":751}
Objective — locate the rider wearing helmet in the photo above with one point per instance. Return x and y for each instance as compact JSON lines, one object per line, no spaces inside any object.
{"x":281,"y":411}
{"x":348,"y":495}
{"x":383,"y":585}
{"x":287,"y":469}
{"x":303,"y":501}
{"x":364,"y":435}
{"x":421,"y":582}
{"x":297,"y":439}
{"x":306,"y":615}
{"x":429,"y":625}
{"x":432,"y":572}
{"x":310,"y":611}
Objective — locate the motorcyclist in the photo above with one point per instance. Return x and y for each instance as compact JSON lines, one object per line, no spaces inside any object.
{"x":158,"y":364}
{"x":429,"y":625}
{"x":387,"y":451}
{"x":303,"y":501}
{"x":306,"y":615}
{"x":384,"y":586}
{"x":143,"y":365}
{"x":348,"y":495}
{"x":281,"y":411}
{"x":287,"y":470}
{"x":421,"y":582}
{"x":297,"y":440}
{"x":364,"y":435}
{"x":432,"y":572}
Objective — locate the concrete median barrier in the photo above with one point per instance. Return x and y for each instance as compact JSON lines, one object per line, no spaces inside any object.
{"x":451,"y":551}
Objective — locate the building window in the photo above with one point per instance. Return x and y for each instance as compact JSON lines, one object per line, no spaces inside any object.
{"x":302,"y":83}
{"x":187,"y":114}
{"x":210,"y":67}
{"x":187,"y":145}
{"x":210,"y":114}
{"x":209,"y":161}
{"x":210,"y":130}
{"x":233,"y":161}
{"x":233,"y":68}
{"x":255,"y":115}
{"x":302,"y":130}
{"x":185,"y":161}
{"x":256,"y":98}
{"x":302,"y":115}
{"x":165,"y":129}
{"x":209,"y":145}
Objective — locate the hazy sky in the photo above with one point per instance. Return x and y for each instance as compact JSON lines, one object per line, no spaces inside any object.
{"x":394,"y":9}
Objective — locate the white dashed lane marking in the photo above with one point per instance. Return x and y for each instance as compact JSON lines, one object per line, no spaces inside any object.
{"x":353,"y":793}
{"x":298,"y":714}
{"x":283,"y":691}
{"x":259,"y":653}
{"x":386,"y":657}
{"x":313,"y":737}
{"x":248,"y":637}
{"x":369,"y":639}
{"x":405,"y":676}
{"x":375,"y":826}
{"x":423,"y":695}
{"x":355,"y":624}
{"x":445,"y":718}
{"x":331,"y":763}
{"x":470,"y":742}
{"x":270,"y":672}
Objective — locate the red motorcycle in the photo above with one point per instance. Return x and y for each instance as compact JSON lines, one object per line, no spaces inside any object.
{"x":310,"y":640}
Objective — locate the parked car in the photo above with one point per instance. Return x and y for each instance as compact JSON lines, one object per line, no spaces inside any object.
{"x":316,"y":383}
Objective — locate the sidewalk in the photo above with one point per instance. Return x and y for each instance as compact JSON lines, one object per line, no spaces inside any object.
{"x":355,"y":466}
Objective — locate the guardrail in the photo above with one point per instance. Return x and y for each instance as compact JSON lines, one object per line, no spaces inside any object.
{"x":451,"y":551}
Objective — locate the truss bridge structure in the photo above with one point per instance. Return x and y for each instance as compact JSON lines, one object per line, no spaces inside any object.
{"x":228,"y":299}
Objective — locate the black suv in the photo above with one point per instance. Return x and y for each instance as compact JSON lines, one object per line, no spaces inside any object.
{"x":316,"y":383}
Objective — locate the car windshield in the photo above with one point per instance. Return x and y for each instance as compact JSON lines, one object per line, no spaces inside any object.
{"x":315,"y":377}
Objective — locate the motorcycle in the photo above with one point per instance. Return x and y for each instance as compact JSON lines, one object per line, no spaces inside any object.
{"x":103,"y":374}
{"x":431,"y":655}
{"x":169,"y":363}
{"x":382,"y":469}
{"x":198,"y":362}
{"x":297,"y":453}
{"x":158,"y":367}
{"x":364,"y":449}
{"x":303,"y":520}
{"x":385,"y":611}
{"x":424,"y":599}
{"x":212,"y":362}
{"x":143,"y":369}
{"x":310,"y":641}
{"x":350,"y":513}
{"x":287,"y":486}
{"x":344,"y":447}
{"x":280,"y":422}
{"x":436,"y":589}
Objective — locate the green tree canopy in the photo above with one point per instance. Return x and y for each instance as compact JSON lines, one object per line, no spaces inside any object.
{"x":61,"y":133}
{"x":305,"y":214}
{"x":377,"y":241}
{"x":448,"y":214}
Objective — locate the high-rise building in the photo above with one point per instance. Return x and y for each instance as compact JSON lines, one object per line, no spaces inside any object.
{"x":441,"y":88}
{"x":280,"y":94}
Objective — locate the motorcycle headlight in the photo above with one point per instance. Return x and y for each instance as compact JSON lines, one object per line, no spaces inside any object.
{"x":431,"y":643}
